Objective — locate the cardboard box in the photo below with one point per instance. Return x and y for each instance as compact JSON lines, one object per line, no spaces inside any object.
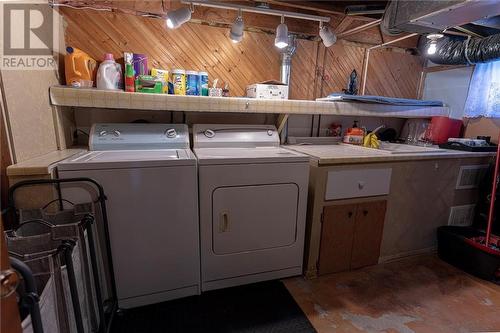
{"x":268,"y":90}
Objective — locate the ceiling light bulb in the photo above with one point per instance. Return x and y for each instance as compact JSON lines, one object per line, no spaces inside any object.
{"x":327,"y":35}
{"x":281,"y":40}
{"x":432,"y":48}
{"x":178,"y":17}
{"x":236,"y":33}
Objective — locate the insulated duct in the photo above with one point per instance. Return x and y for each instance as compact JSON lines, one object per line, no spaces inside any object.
{"x":431,"y":16}
{"x":469,"y":51}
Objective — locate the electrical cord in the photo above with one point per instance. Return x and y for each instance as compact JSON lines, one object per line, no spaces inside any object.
{"x":83,"y":132}
{"x":102,"y":9}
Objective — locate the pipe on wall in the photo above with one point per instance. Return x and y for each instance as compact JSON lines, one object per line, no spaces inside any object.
{"x":285,"y":72}
{"x":286,"y":60}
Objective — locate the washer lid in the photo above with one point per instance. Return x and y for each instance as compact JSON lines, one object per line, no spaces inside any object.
{"x":112,"y":159}
{"x":130,"y":136}
{"x":248,"y":155}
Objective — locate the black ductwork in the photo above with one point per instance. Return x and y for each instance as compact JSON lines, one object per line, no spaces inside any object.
{"x":463,"y":52}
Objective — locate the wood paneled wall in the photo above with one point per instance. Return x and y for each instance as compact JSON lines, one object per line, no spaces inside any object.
{"x":316,"y":72}
{"x":339,"y":62}
{"x":393,"y":74}
{"x":483,"y":126}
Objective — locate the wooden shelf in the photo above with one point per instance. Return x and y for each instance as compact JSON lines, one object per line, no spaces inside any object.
{"x":93,"y":98}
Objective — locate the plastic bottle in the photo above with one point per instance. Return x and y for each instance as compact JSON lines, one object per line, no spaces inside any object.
{"x":109,"y":74}
{"x":79,"y":67}
{"x":129,"y":78}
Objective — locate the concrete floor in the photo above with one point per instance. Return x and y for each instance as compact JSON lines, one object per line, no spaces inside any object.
{"x":419,"y":294}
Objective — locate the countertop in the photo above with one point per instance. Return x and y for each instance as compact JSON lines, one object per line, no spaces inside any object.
{"x":350,"y":154}
{"x":320,"y":155}
{"x":41,"y":165}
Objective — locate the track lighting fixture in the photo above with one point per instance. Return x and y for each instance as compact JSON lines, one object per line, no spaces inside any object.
{"x":182,"y":15}
{"x":281,"y":40}
{"x":178,"y":17}
{"x":236,"y":33}
{"x":329,"y":38}
{"x":432,"y":48}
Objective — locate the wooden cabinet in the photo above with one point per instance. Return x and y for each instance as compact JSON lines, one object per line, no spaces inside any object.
{"x":368,"y":230}
{"x":336,"y":238}
{"x":351,"y":236}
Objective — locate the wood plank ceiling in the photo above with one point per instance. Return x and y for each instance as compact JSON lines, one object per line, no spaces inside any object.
{"x":256,"y":22}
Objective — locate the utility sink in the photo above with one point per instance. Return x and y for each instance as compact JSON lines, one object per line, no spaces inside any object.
{"x":401,"y":148}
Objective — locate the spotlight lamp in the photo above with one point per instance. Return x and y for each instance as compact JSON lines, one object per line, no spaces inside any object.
{"x":178,"y":17}
{"x":236,"y":33}
{"x":432,"y":47}
{"x":327,"y":35}
{"x":281,"y":40}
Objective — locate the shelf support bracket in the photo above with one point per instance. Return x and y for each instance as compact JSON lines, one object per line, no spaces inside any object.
{"x":281,"y":122}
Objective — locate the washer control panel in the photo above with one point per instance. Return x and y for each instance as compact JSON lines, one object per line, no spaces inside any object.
{"x":133,"y":136}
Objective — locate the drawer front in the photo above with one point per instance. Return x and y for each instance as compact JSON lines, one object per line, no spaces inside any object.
{"x":343,"y":184}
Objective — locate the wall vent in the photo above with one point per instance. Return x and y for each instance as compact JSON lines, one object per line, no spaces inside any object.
{"x":470,"y":176}
{"x":462,"y":216}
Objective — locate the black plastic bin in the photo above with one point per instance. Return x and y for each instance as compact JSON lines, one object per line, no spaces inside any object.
{"x":454,"y":249}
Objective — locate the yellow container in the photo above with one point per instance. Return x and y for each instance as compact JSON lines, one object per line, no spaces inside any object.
{"x":162,"y":75}
{"x":179,"y":81}
{"x":79,"y":67}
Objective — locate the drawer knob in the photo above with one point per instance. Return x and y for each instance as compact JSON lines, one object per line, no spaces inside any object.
{"x":349,"y":215}
{"x":365,"y":212}
{"x":361,"y":185}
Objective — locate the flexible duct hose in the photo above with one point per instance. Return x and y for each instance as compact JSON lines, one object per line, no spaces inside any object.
{"x":470,"y":51}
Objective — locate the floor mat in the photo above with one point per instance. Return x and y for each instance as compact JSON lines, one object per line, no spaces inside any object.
{"x":260,"y":307}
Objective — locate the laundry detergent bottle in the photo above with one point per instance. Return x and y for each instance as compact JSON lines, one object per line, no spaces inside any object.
{"x":80,"y":69}
{"x":109,"y":74}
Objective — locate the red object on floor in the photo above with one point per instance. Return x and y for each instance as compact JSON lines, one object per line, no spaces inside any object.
{"x":443,"y":128}
{"x":480,"y":243}
{"x":490,"y":243}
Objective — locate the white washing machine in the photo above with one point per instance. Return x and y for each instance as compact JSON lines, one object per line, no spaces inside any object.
{"x":253,"y":197}
{"x":149,"y":176}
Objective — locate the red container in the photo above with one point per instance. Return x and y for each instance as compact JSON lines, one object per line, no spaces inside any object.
{"x":443,"y":128}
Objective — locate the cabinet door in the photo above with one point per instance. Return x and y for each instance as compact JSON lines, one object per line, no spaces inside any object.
{"x":336,"y":238}
{"x":368,"y":233}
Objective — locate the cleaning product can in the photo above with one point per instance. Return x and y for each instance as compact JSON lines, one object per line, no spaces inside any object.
{"x":192,"y":83}
{"x":203,"y":83}
{"x":179,"y":81}
{"x":129,"y":78}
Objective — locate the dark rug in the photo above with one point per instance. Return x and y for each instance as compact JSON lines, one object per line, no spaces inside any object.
{"x":259,"y":307}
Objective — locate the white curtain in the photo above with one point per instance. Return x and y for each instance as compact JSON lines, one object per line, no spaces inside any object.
{"x":483,"y":99}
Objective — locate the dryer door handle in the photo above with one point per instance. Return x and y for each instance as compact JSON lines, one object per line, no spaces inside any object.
{"x":224,"y":222}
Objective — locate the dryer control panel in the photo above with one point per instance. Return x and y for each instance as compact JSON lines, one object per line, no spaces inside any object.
{"x":236,"y":136}
{"x":138,"y":136}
